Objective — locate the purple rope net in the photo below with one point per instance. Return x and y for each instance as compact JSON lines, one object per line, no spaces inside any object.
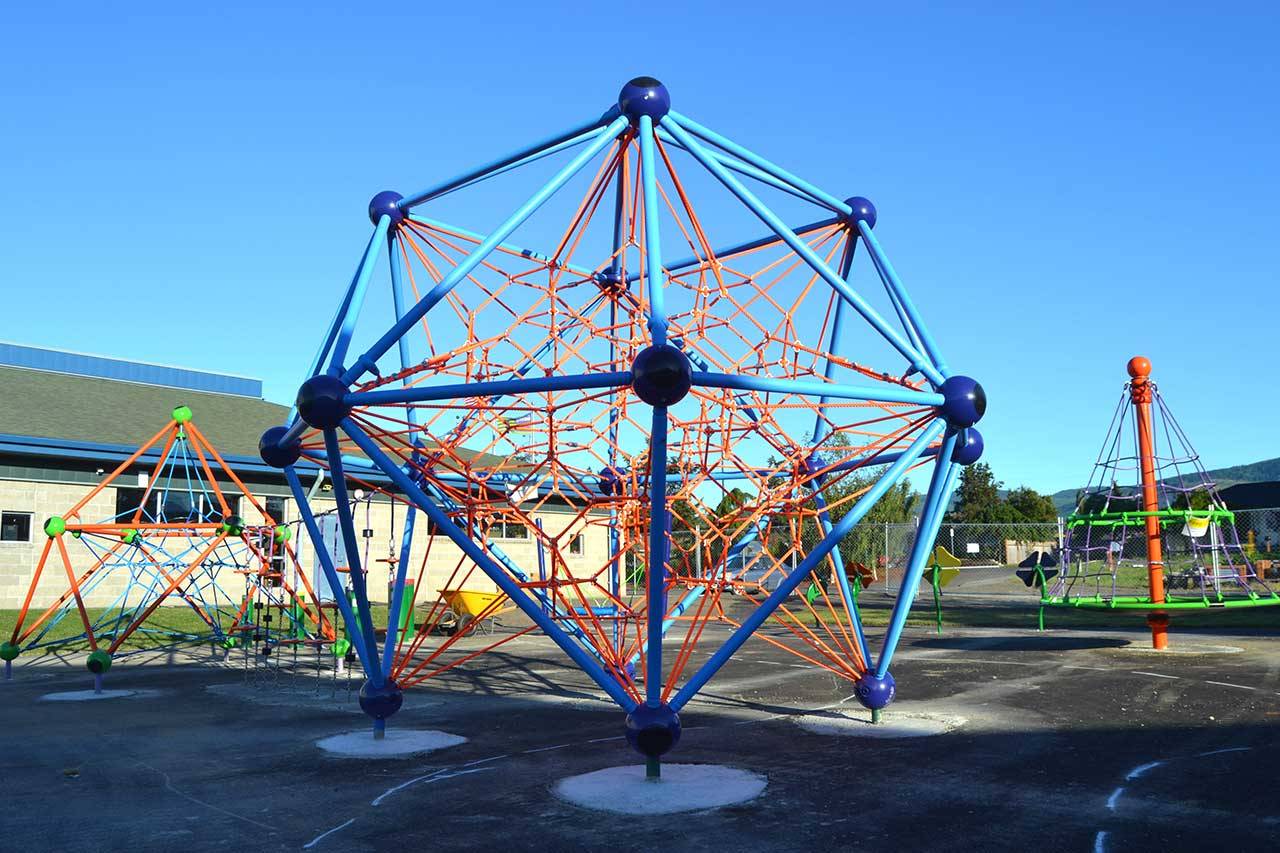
{"x":1105,"y":551}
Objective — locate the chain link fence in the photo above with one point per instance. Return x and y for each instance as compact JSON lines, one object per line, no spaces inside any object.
{"x":986,"y":555}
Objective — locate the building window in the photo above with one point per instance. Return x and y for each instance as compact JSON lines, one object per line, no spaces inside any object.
{"x":173,"y":506}
{"x":575,"y":545}
{"x":276,"y":508}
{"x":508,"y":530}
{"x":15,"y":527}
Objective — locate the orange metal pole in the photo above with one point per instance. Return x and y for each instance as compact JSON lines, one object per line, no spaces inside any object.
{"x":1140,"y":392}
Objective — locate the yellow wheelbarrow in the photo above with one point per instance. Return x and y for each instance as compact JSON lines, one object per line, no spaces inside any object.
{"x":471,"y":610}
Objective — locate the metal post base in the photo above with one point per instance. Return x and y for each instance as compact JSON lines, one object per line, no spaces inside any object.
{"x":97,"y":682}
{"x":379,"y":729}
{"x":875,"y":715}
{"x":653,"y":769}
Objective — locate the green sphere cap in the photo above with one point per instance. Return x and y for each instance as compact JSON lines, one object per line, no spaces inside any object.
{"x":55,"y":526}
{"x":341,"y":647}
{"x":283,"y":535}
{"x":8,"y":651}
{"x":99,"y":661}
{"x":182,"y":414}
{"x":129,"y":536}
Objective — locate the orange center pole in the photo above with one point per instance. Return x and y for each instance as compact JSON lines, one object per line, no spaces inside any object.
{"x":1140,"y":391}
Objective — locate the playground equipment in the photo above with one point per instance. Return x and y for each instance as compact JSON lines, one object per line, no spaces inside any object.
{"x":634,"y":390}
{"x":182,"y":537}
{"x":1151,"y":523}
{"x":943,"y":568}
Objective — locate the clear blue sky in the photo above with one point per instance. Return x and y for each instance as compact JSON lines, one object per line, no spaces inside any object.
{"x":1060,"y":188}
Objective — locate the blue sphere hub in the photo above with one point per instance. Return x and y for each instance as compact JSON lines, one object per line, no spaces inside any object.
{"x":969,"y":447}
{"x":644,"y":96}
{"x":965,"y":401}
{"x":653,"y":731}
{"x":386,"y":203}
{"x":863,"y":210}
{"x":272,"y":453}
{"x":661,"y":375}
{"x":381,"y":702}
{"x":322,"y":401}
{"x":875,"y":693}
{"x":610,"y":483}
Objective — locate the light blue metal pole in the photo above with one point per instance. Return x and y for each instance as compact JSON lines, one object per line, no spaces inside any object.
{"x":728,"y":251}
{"x":508,"y":247}
{"x":801,"y":248}
{"x":800,"y":572}
{"x":477,"y":256}
{"x":584,"y":131}
{"x":894,"y":285}
{"x":756,"y":160}
{"x":331,"y":574}
{"x":886,"y":394}
{"x":652,"y":244}
{"x":357,"y":297}
{"x":495,"y":572}
{"x":656,"y":577}
{"x":750,"y":171}
{"x":347,"y":523}
{"x":464,"y":390}
{"x":936,"y":500}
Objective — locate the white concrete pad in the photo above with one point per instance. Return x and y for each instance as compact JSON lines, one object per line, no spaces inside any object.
{"x":398,"y":743}
{"x":893,"y":724}
{"x":682,"y":788}
{"x":1176,"y":648}
{"x":86,"y":695}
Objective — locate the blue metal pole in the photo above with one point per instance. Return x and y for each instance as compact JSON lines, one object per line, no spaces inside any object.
{"x":396,"y":605}
{"x":330,"y":573}
{"x":891,"y":282}
{"x":886,"y":394}
{"x":816,"y":556}
{"x":801,"y":248}
{"x":352,"y":545}
{"x":542,"y":555}
{"x":656,"y":577}
{"x":583,"y":131}
{"x":756,"y":160}
{"x":940,"y":486}
{"x":358,"y":293}
{"x":820,"y":430}
{"x":653,"y":249}
{"x":464,"y":390}
{"x":495,"y":572}
{"x":477,"y":256}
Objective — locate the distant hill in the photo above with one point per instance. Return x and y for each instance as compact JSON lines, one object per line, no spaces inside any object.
{"x":1254,"y":472}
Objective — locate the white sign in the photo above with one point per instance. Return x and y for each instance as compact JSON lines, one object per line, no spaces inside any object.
{"x":971,"y":548}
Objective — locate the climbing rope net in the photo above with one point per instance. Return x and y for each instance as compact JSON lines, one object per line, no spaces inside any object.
{"x":628,"y":443}
{"x":102,"y":580}
{"x":1106,"y":546}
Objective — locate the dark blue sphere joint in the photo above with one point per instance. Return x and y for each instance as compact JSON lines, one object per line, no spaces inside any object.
{"x":653,"y":731}
{"x":863,"y":210}
{"x":968,"y":448}
{"x":386,"y":203}
{"x":381,"y":702}
{"x":322,"y":401}
{"x":874,"y":693}
{"x":661,"y":375}
{"x":965,"y":402}
{"x":272,"y":453}
{"x":644,"y":96}
{"x":610,"y":482}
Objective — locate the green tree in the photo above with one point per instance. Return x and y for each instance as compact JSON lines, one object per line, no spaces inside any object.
{"x":978,"y":498}
{"x":1031,"y":506}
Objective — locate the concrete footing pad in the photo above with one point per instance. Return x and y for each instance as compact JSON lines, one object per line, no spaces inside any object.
{"x":87,"y":695}
{"x":398,"y":743}
{"x":893,"y":725}
{"x":682,"y":788}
